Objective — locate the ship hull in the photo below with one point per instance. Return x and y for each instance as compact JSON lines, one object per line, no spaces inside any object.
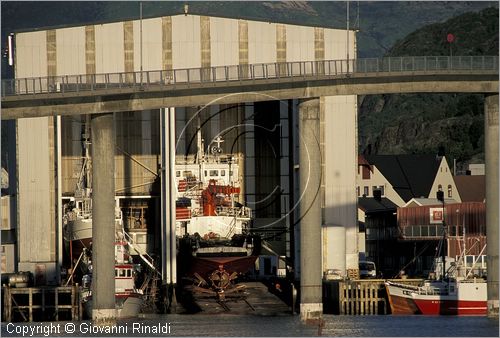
{"x":400,"y":300}
{"x":467,"y":298}
{"x":451,"y":307}
{"x":206,"y":265}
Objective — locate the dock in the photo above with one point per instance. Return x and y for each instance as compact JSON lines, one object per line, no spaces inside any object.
{"x":359,"y":297}
{"x":41,"y":303}
{"x":258,"y":301}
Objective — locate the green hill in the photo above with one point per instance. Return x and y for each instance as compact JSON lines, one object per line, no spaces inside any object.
{"x":421,"y":123}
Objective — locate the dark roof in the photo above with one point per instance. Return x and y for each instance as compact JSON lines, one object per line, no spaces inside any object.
{"x":472,"y":188}
{"x":371,"y":205}
{"x":410,"y":175}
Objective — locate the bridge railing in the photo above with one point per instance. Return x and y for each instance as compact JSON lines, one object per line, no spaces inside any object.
{"x":427,"y":63}
{"x":288,"y":71}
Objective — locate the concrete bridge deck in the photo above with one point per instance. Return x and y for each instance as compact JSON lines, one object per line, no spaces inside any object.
{"x":118,"y":92}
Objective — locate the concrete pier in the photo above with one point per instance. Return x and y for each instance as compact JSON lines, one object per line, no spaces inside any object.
{"x":311,"y":306}
{"x":491,"y":157}
{"x":103,"y":219}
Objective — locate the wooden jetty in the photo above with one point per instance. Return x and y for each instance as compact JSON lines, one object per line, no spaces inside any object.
{"x":41,"y":303}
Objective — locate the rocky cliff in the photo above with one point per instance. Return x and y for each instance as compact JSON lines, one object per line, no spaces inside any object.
{"x":421,"y":123}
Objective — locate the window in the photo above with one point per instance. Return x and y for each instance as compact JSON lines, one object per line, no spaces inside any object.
{"x":223,"y":172}
{"x":382,"y":192}
{"x":366,"y":173}
{"x":366,"y":192}
{"x":206,"y":173}
{"x":178,"y":173}
{"x":214,"y":173}
{"x":449,"y":191}
{"x":357,"y":191}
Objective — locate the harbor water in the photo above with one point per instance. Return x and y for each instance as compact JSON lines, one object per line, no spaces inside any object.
{"x":266,"y":326}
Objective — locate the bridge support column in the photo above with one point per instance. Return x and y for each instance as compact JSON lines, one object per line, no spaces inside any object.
{"x":103,"y":219}
{"x":491,"y":158}
{"x":168,"y":198}
{"x":311,"y":304}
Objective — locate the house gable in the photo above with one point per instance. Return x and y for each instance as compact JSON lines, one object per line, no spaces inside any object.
{"x":444,"y":179}
{"x":409,"y":176}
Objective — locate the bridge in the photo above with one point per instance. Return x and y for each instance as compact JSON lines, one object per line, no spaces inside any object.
{"x":118,"y":92}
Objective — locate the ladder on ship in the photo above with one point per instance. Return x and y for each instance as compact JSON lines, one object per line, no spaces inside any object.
{"x":145,"y":257}
{"x":152,"y":278}
{"x":232,"y":226}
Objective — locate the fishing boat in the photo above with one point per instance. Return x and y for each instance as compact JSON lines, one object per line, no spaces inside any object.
{"x":453,"y":291}
{"x":77,"y":214}
{"x":450,"y":296}
{"x":128,"y":298}
{"x":212,"y":223}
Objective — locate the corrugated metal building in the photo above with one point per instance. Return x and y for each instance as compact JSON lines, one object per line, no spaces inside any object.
{"x":50,"y":149}
{"x":419,"y":224}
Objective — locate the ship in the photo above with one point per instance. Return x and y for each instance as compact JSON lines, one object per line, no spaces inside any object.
{"x":77,"y":213}
{"x":77,"y":234}
{"x":439,"y":297}
{"x":213,"y":226}
{"x":128,"y":298}
{"x":455,"y":291}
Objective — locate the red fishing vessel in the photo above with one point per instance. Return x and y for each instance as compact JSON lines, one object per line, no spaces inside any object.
{"x":212,"y":223}
{"x":458,"y":290}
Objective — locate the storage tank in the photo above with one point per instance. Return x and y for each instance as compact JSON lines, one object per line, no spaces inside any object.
{"x":334,"y":253}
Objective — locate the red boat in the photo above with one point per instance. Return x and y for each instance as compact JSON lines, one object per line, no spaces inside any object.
{"x":448,"y":297}
{"x":460,"y":292}
{"x":212,"y":223}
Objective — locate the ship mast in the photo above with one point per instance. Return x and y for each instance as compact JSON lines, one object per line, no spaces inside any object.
{"x":199,"y":141}
{"x":85,"y":179}
{"x":440,"y":197}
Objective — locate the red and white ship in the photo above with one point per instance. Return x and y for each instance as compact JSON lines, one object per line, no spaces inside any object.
{"x":212,"y":224}
{"x":459,"y":292}
{"x":128,"y":298}
{"x":446,"y":297}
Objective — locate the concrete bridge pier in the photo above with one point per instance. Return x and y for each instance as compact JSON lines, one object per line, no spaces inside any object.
{"x":103,"y":219}
{"x":168,"y":198}
{"x":311,"y":303}
{"x":491,"y":158}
